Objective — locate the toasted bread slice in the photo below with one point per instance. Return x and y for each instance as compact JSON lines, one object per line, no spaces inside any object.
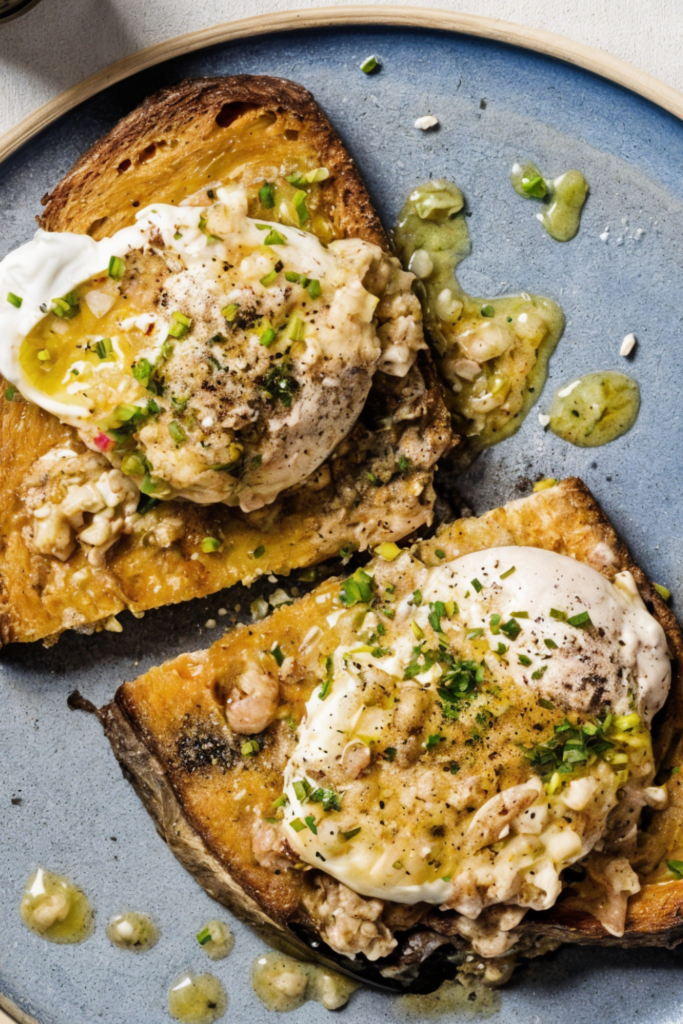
{"x":170,"y":733}
{"x":177,"y":143}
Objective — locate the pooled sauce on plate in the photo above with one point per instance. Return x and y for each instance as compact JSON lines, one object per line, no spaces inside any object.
{"x":564,"y":198}
{"x":595,"y":409}
{"x":452,"y":998}
{"x":133,"y":931}
{"x":284,"y":984}
{"x":56,"y":909}
{"x":493,"y":353}
{"x":197,"y":999}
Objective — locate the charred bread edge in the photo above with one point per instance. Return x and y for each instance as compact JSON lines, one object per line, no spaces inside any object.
{"x":171,"y":108}
{"x":655,"y":915}
{"x":149,"y":780}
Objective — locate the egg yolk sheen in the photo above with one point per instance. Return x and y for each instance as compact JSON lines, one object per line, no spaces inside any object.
{"x":219,"y":359}
{"x":475,"y":727}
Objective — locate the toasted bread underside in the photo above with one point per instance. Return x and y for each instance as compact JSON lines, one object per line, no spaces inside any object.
{"x":168,"y":730}
{"x":247,"y":129}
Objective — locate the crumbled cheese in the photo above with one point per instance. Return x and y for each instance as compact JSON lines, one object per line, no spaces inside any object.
{"x":428,"y":121}
{"x":210,"y":624}
{"x":543,"y":419}
{"x":627,"y":345}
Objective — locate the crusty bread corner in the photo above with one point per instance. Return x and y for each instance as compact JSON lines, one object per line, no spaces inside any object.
{"x":153,"y":716}
{"x":150,"y":139}
{"x":181,"y":140}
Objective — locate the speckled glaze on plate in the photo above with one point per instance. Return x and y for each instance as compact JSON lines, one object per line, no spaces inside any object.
{"x":63,"y":801}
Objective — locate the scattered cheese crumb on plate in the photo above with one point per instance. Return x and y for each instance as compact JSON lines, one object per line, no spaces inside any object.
{"x":428,"y":121}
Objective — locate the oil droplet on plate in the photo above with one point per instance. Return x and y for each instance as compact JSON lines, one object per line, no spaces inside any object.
{"x":56,"y":909}
{"x":216,"y":940}
{"x":133,"y":931}
{"x":595,"y":409}
{"x":197,"y":999}
{"x":284,"y":984}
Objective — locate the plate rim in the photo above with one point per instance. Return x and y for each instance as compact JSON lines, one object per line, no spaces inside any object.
{"x":549,"y":44}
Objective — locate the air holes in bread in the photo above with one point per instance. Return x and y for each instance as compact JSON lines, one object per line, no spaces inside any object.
{"x":229,"y":113}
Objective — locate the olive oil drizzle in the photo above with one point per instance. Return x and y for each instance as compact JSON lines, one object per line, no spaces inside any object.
{"x":564,"y":198}
{"x":284,"y":984}
{"x":56,"y":909}
{"x":595,"y":409}
{"x":507,"y":341}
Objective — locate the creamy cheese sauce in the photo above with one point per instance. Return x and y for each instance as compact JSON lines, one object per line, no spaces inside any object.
{"x":208,"y":355}
{"x":493,"y":353}
{"x":284,"y":984}
{"x":473,"y":741}
{"x":595,"y":409}
{"x":56,"y":909}
{"x":564,"y":198}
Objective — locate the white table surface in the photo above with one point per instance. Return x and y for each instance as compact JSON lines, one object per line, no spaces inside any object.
{"x":61,"y":42}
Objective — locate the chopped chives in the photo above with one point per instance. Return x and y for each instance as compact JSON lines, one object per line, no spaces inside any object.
{"x":310,"y":821}
{"x":297,"y":824}
{"x":117,"y":268}
{"x":494,"y":624}
{"x":268,"y":278}
{"x":177,"y":433}
{"x":512,"y":629}
{"x":547,"y":704}
{"x":582,"y":620}
{"x":180,"y":325}
{"x":250,"y":748}
{"x":675,"y":867}
{"x":550,"y":644}
{"x":104,"y":348}
{"x":142,"y":370}
{"x":488,"y":310}
{"x":403,"y":463}
{"x":259,"y":551}
{"x":560,"y":616}
{"x":266,"y":195}
{"x":417,"y":598}
{"x":210,"y":544}
{"x":299,"y":203}
{"x":296,"y":329}
{"x":267,"y":336}
{"x":274,"y":238}
{"x":10,"y":393}
{"x":474,"y":634}
{"x":14,"y":300}
{"x":539,"y":672}
{"x":417,"y":631}
{"x":509,"y":572}
{"x":519,"y":615}
{"x":350,"y":834}
{"x":523,"y":660}
{"x":230,"y":311}
{"x":370,"y":64}
{"x":292,"y":276}
{"x":314,"y":289}
{"x":277,"y":654}
{"x":440,"y":553}
{"x":203,"y":936}
{"x":477,"y":585}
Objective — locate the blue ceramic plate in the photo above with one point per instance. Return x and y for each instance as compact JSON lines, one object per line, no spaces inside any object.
{"x":64,"y":802}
